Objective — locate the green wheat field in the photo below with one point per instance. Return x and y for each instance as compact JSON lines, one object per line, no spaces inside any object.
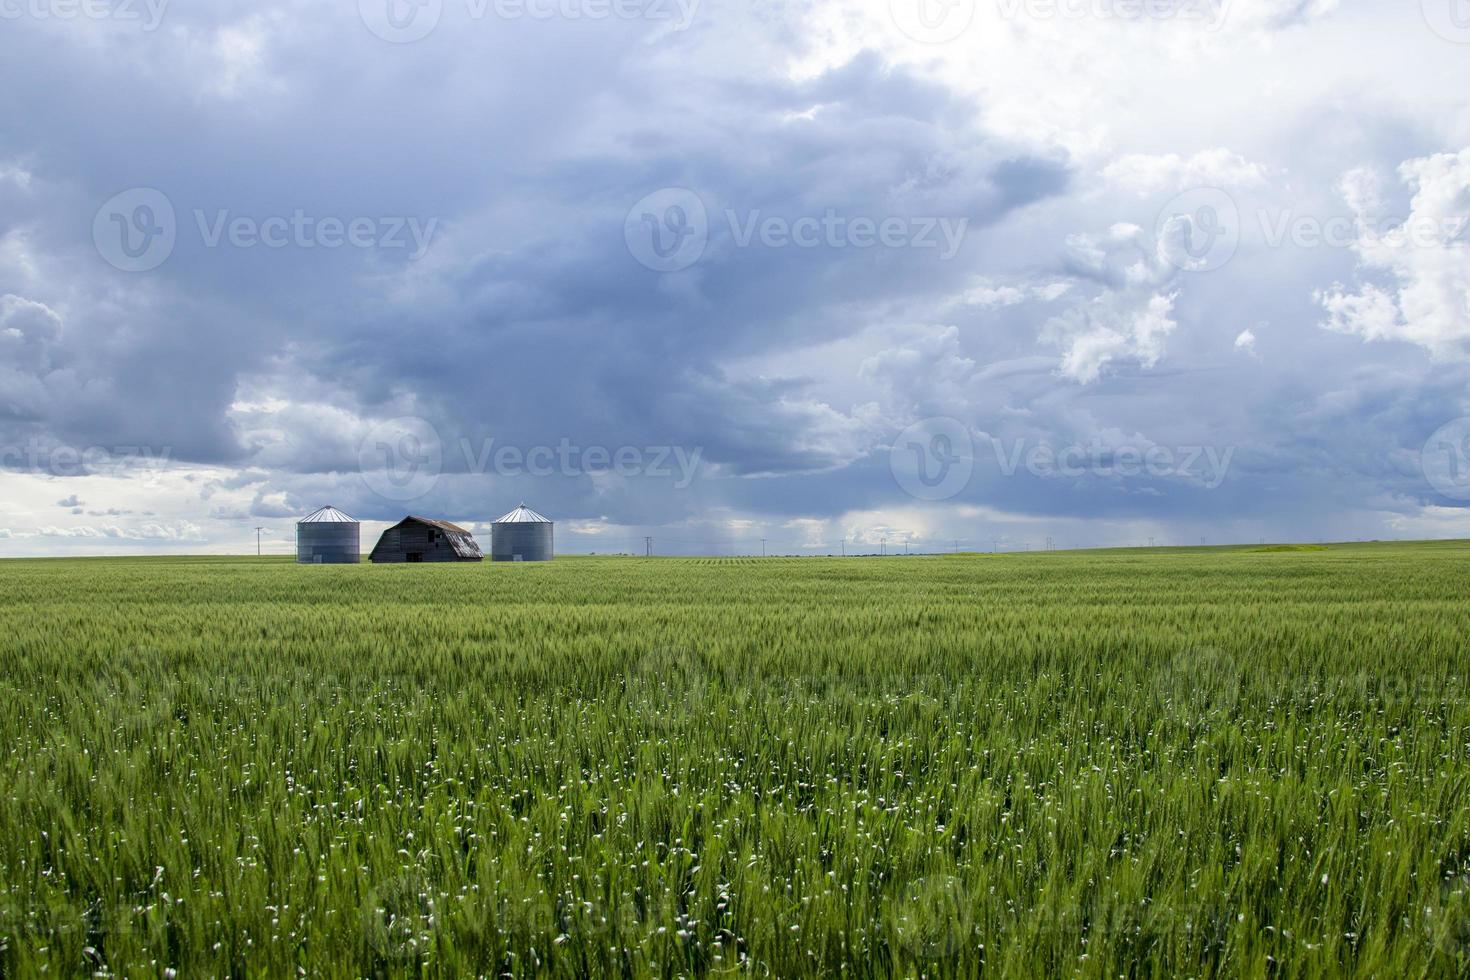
{"x":1194,"y":762}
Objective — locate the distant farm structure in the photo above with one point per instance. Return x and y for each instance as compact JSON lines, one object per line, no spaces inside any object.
{"x":521,"y":535}
{"x":422,"y":539}
{"x":328,"y":537}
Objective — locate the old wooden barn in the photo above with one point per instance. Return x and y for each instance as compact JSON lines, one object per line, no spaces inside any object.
{"x":416,"y":539}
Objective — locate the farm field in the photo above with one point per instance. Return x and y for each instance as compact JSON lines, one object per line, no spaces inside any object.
{"x":1190,"y":762}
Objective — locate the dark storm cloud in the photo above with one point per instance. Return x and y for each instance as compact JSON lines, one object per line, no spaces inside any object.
{"x":509,"y":156}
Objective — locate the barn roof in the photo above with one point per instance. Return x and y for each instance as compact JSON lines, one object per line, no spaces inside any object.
{"x":327,"y":515}
{"x":521,"y":515}
{"x":441,"y":525}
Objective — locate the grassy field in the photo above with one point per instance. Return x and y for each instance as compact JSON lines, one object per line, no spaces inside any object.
{"x":1176,"y":763}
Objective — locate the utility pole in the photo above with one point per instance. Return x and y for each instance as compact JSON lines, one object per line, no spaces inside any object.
{"x":844,"y":547}
{"x":956,"y":547}
{"x":995,"y":545}
{"x":1048,"y":542}
{"x":905,"y":546}
{"x":647,"y":546}
{"x":257,"y":541}
{"x":883,"y":546}
{"x":763,"y":547}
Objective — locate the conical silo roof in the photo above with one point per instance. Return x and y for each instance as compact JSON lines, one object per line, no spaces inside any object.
{"x":521,"y":515}
{"x":327,"y":515}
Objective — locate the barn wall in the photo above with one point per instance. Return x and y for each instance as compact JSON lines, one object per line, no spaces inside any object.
{"x":398,"y":543}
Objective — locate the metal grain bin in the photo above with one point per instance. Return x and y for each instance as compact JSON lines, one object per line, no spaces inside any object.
{"x":328,"y":537}
{"x":521,"y":535}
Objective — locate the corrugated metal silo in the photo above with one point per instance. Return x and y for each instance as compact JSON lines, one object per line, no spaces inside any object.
{"x":521,"y":535}
{"x":328,"y":537}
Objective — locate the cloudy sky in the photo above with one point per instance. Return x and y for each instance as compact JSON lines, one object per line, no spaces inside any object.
{"x":943,"y":273}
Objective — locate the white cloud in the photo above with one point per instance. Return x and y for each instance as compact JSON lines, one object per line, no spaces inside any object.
{"x":1246,"y":342}
{"x":1113,"y":327}
{"x":28,"y":333}
{"x":1143,"y":173}
{"x":1422,"y":295}
{"x":988,"y":296}
{"x":16,"y":174}
{"x":152,"y":531}
{"x":1132,"y":316}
